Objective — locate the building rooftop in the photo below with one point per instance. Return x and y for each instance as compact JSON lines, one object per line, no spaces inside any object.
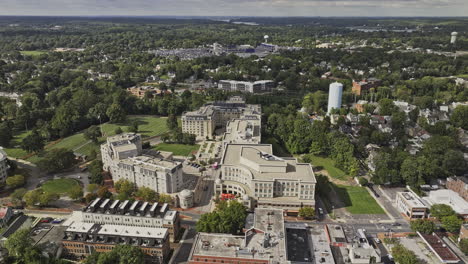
{"x":266,"y":240}
{"x":448,"y":197}
{"x":3,"y":155}
{"x":321,"y":244}
{"x":412,"y":200}
{"x":136,"y":208}
{"x":440,"y":249}
{"x":243,"y":131}
{"x":263,"y":165}
{"x":150,"y":162}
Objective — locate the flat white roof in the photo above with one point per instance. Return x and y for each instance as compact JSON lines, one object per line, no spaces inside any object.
{"x":133,"y":231}
{"x":412,"y":200}
{"x":448,"y":197}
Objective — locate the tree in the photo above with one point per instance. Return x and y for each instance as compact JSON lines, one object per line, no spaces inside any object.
{"x":363,"y":181}
{"x":15,"y":181}
{"x":171,"y":122}
{"x":31,"y":198}
{"x":45,"y":198}
{"x":147,"y":194}
{"x":307,"y":212}
{"x":403,"y":255}
{"x":464,"y":246}
{"x":19,"y":243}
{"x":441,"y":210}
{"x":5,"y":134}
{"x":92,"y":187}
{"x":459,"y":117}
{"x":57,"y":160}
{"x":451,"y":223}
{"x":95,"y":169}
{"x":33,"y":142}
{"x":103,"y":192}
{"x":118,"y":130}
{"x":423,"y":226}
{"x":116,"y":113}
{"x":454,"y":162}
{"x":386,"y":107}
{"x":124,"y":187}
{"x":121,"y":254}
{"x":17,"y":195}
{"x":133,"y":127}
{"x":228,"y":218}
{"x":165,"y":198}
{"x":76,"y":192}
{"x":93,"y":133}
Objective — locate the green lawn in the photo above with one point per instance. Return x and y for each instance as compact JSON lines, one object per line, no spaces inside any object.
{"x":15,"y":150}
{"x":148,"y":126}
{"x":32,"y":52}
{"x":463,"y":75}
{"x":59,"y":186}
{"x":358,"y":200}
{"x":177,"y":149}
{"x":329,"y":165}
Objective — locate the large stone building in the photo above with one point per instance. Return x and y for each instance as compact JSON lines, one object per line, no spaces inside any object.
{"x":458,"y":185}
{"x":263,"y":243}
{"x":123,"y":157}
{"x":263,"y":179}
{"x":137,"y":213}
{"x":3,"y":166}
{"x":205,"y":120}
{"x":246,"y":130}
{"x":81,"y":239}
{"x":250,"y":87}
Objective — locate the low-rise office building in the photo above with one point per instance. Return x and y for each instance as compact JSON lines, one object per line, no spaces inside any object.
{"x":250,"y":87}
{"x":3,"y":166}
{"x":123,"y":157}
{"x":81,"y":239}
{"x":264,"y":243}
{"x":451,"y":198}
{"x":411,"y":206}
{"x":136,"y":213}
{"x":265,"y":180}
{"x":205,"y":120}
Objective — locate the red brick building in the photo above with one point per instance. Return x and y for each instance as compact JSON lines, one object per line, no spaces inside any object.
{"x":458,"y":185}
{"x":362,"y":87}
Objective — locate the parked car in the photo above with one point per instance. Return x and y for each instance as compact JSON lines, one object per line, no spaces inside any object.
{"x":377,"y":240}
{"x":46,"y":220}
{"x":57,"y":221}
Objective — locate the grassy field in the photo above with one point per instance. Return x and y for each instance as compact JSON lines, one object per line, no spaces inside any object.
{"x":177,"y":149}
{"x":358,"y":200}
{"x":329,"y":165}
{"x":32,"y":52}
{"x":59,"y":186}
{"x":463,"y":75}
{"x":148,"y":126}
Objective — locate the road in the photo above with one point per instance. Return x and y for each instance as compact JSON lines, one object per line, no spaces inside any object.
{"x":184,"y":250}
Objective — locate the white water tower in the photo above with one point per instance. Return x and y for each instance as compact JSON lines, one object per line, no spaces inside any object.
{"x":453,"y":39}
{"x":334,"y":96}
{"x":266,"y":37}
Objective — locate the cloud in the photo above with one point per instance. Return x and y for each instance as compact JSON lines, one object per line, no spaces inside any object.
{"x":236,"y":7}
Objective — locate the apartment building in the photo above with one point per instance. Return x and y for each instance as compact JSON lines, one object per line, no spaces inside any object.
{"x":205,"y":120}
{"x":263,"y":243}
{"x":81,"y":239}
{"x":136,"y":213}
{"x":362,"y":87}
{"x":3,"y":166}
{"x":411,"y":206}
{"x":458,"y":185}
{"x":123,"y":157}
{"x":250,"y":87}
{"x":265,"y":180}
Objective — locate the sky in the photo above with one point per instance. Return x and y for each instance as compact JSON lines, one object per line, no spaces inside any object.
{"x":235,"y":7}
